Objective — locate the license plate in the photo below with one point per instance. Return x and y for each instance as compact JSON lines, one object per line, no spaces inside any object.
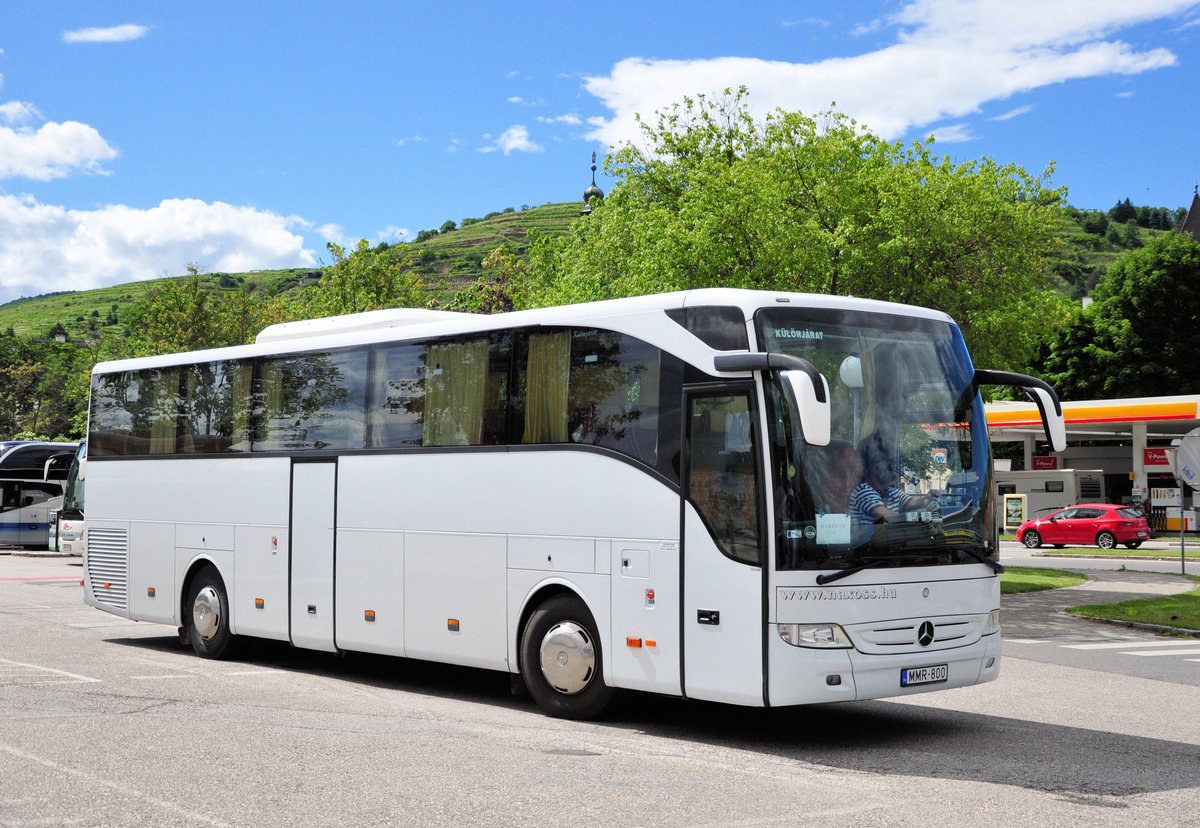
{"x":1143,"y":534}
{"x":924,"y":675}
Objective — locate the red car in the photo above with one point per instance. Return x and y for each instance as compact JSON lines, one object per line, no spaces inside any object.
{"x":1103,"y":524}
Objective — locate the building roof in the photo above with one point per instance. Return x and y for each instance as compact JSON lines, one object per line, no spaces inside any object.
{"x":1191,"y":224}
{"x":1165,"y":417}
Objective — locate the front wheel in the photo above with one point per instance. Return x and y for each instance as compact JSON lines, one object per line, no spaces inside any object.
{"x":1031,"y":539}
{"x":1106,"y":540}
{"x":561,"y":660}
{"x":206,"y":616}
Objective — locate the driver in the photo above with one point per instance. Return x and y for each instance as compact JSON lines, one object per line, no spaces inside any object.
{"x":878,"y":498}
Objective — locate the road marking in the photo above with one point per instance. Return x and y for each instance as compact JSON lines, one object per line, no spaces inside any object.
{"x":127,"y":790}
{"x":1162,"y":653}
{"x":45,"y":578}
{"x":40,"y":669}
{"x":1126,"y":643}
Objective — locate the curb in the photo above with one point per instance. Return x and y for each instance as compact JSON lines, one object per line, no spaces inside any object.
{"x":1162,"y":629}
{"x":27,"y":553}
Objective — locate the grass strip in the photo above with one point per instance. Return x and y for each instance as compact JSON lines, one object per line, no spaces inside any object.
{"x":1097,"y":552}
{"x":1181,"y":611}
{"x":1027,"y":579}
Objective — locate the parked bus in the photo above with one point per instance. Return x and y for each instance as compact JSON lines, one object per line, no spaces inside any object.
{"x":31,"y":485}
{"x":70,"y":522}
{"x":1049,"y":489}
{"x":641,"y":493}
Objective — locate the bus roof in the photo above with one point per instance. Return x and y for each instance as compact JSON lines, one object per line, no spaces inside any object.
{"x":617,"y":314}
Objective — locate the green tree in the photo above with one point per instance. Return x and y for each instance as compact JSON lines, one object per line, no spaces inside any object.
{"x":1141,"y":335}
{"x":494,"y":292}
{"x":818,"y":205}
{"x":363,"y":280}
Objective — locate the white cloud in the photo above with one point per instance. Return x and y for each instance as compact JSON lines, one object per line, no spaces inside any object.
{"x":18,"y":112}
{"x":392,"y":234}
{"x":113,"y":34}
{"x":952,"y":133}
{"x":571,"y":119}
{"x":335,"y":233}
{"x":514,"y":139}
{"x":949,"y":58}
{"x":1013,"y":113}
{"x":45,"y":247}
{"x":52,"y":151}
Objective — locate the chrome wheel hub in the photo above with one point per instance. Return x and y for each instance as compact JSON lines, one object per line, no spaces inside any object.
{"x":206,"y":613}
{"x":568,"y":657}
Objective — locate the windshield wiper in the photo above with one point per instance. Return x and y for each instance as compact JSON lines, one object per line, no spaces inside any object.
{"x":848,"y":571}
{"x":995,"y":565}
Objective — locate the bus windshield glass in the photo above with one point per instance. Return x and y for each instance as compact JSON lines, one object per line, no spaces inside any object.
{"x":906,"y":478}
{"x":73,"y":497}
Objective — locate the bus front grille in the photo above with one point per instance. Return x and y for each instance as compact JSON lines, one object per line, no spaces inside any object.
{"x":108,"y":566}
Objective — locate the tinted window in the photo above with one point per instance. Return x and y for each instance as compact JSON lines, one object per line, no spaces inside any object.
{"x":719,"y":327}
{"x":722,"y":483}
{"x":312,"y":401}
{"x":598,"y":388}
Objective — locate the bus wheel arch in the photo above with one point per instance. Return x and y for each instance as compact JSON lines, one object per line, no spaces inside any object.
{"x":561,"y":656}
{"x":205,"y":613}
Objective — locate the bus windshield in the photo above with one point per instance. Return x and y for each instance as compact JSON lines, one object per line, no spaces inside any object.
{"x":73,"y":497}
{"x":906,"y":478}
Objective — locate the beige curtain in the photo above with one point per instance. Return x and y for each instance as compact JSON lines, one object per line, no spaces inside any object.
{"x":166,"y":412}
{"x":546,"y":388}
{"x":455,"y":379}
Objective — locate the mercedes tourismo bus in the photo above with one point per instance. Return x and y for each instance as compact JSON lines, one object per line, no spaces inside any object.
{"x":646,"y":493}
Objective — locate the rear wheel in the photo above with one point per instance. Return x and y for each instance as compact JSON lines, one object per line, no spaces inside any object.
{"x":1106,"y":540}
{"x":561,"y":660}
{"x":1031,"y":538}
{"x":206,"y":616}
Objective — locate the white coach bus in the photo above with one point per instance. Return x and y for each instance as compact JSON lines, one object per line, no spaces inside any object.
{"x":647,"y":493}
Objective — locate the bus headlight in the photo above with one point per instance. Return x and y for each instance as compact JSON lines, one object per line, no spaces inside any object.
{"x":992,"y":625}
{"x":829,"y":636}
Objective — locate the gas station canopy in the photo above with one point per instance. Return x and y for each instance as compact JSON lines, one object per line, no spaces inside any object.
{"x":1162,"y":418}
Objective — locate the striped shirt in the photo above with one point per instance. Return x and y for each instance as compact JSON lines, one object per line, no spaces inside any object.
{"x":864,"y":498}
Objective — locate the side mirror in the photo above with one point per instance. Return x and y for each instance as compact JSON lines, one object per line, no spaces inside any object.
{"x":805,"y":386}
{"x":811,"y":403}
{"x":1041,"y":392}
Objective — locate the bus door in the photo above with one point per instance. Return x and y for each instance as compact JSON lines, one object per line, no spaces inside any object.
{"x":722,"y":547}
{"x":38,"y":500}
{"x":314,"y":489}
{"x":10,"y":512}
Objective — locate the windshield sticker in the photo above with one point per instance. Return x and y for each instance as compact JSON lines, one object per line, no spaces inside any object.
{"x":799,"y":333}
{"x":833,"y":529}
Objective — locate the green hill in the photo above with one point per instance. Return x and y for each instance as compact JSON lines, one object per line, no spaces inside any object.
{"x":446,"y":261}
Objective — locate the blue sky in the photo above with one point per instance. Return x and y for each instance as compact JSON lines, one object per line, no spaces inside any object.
{"x":139,"y":137}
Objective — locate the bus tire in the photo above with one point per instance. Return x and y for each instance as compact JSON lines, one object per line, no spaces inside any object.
{"x":561,"y":660}
{"x":206,"y":616}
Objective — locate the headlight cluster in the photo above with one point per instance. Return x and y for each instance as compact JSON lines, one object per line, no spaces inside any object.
{"x":825,"y":636}
{"x":992,"y":625}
